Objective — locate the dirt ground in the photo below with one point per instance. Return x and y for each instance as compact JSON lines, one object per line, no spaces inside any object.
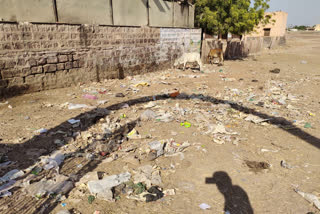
{"x":268,"y":118}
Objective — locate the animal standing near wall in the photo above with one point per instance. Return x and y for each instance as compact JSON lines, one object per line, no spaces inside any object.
{"x":215,"y":53}
{"x":188,"y":58}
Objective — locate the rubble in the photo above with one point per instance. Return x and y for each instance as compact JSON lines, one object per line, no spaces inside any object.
{"x":103,"y":188}
{"x":148,"y":175}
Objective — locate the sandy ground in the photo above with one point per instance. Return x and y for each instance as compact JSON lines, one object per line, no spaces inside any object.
{"x":207,"y":172}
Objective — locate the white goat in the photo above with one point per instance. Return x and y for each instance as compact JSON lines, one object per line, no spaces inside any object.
{"x":188,"y":57}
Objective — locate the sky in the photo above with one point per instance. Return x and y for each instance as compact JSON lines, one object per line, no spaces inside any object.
{"x":300,"y":12}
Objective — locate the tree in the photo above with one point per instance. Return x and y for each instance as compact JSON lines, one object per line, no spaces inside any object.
{"x":221,"y":17}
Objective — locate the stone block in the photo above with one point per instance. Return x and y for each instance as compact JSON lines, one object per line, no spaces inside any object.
{"x":36,"y":70}
{"x":63,"y":58}
{"x":68,"y":65}
{"x":42,"y":61}
{"x":15,"y":81}
{"x":52,"y":60}
{"x":75,"y":64}
{"x":32,"y":62}
{"x":50,"y":68}
{"x":60,"y":66}
{"x":10,"y":64}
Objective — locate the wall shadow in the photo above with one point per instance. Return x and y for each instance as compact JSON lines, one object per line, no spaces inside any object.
{"x":17,"y":153}
{"x":236,"y":199}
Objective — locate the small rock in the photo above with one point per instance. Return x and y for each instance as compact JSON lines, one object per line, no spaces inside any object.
{"x":119,"y":95}
{"x":275,"y":71}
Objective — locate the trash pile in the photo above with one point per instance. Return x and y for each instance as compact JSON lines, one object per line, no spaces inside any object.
{"x":103,"y":136}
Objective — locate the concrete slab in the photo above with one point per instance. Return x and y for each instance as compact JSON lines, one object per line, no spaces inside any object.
{"x":27,"y":10}
{"x":181,"y":15}
{"x":161,"y":13}
{"x":130,"y":13}
{"x":85,"y":12}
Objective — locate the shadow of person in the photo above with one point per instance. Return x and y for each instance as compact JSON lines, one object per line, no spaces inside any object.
{"x":236,"y":199}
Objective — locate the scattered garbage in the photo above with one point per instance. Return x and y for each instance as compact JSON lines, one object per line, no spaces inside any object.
{"x":73,"y":121}
{"x":148,"y":115}
{"x":256,"y":166}
{"x":307,"y":125}
{"x":63,"y":212}
{"x":275,"y":71}
{"x":90,"y":97}
{"x":53,"y":161}
{"x":284,"y":164}
{"x":72,"y":106}
{"x":158,"y":147}
{"x":165,"y":117}
{"x":134,"y":135}
{"x":310,"y":198}
{"x":102,"y":102}
{"x":148,"y":175}
{"x":119,"y":95}
{"x":58,"y":185}
{"x":255,"y":119}
{"x":91,"y":198}
{"x":204,"y":206}
{"x":186,"y":124}
{"x":103,"y":188}
{"x":11,"y":175}
{"x":174,"y":94}
{"x":141,"y":84}
{"x":169,"y":192}
{"x":41,"y":131}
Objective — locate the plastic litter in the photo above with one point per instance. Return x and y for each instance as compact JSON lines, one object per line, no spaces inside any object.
{"x":101,"y":102}
{"x":90,"y":97}
{"x":166,"y":117}
{"x":11,"y":175}
{"x":63,"y":212}
{"x":307,"y":125}
{"x":309,"y":197}
{"x":186,"y":124}
{"x":172,"y":147}
{"x":158,"y":147}
{"x":41,"y":131}
{"x":91,"y":198}
{"x":169,"y":192}
{"x":148,"y":115}
{"x":4,"y":189}
{"x":155,"y":194}
{"x":133,"y":135}
{"x":58,"y":185}
{"x":284,"y":164}
{"x":174,"y":94}
{"x":77,"y":106}
{"x":146,"y":174}
{"x":141,"y":84}
{"x":303,"y":62}
{"x":255,"y":119}
{"x":204,"y":206}
{"x":53,"y":161}
{"x":73,"y":121}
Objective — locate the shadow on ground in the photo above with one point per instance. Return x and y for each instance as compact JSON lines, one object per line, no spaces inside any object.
{"x":45,"y":141}
{"x":236,"y":199}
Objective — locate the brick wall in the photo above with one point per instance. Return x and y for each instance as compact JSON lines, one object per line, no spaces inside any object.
{"x":36,"y":57}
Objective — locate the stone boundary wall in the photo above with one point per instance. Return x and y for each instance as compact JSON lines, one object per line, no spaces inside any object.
{"x":239,"y":49}
{"x":35,"y":57}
